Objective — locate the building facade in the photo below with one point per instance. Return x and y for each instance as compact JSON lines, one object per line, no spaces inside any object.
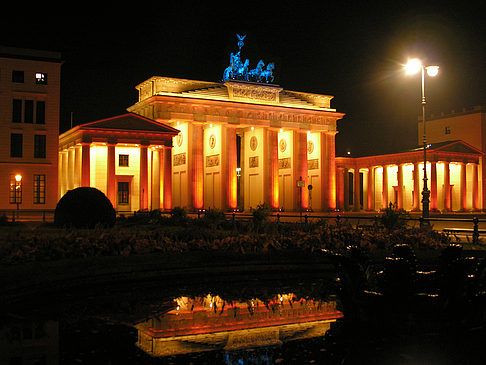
{"x":468,"y":125}
{"x":29,"y":128}
{"x":242,"y":144}
{"x":372,"y":183}
{"x":127,"y":157}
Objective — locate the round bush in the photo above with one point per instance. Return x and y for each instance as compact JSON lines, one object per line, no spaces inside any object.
{"x":84,"y":207}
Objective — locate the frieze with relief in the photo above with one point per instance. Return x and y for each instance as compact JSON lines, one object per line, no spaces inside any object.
{"x":313,"y":164}
{"x":179,"y":159}
{"x":284,"y":163}
{"x":212,"y":161}
{"x":253,"y":161}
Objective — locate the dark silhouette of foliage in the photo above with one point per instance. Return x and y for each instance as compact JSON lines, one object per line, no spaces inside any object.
{"x":84,"y":207}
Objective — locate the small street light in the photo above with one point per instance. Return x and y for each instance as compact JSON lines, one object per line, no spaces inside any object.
{"x":412,"y":67}
{"x":18,"y":193}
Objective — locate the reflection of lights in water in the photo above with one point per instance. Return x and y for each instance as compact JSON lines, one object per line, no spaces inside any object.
{"x":210,"y":323}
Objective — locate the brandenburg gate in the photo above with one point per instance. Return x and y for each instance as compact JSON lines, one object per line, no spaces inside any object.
{"x":245,"y":141}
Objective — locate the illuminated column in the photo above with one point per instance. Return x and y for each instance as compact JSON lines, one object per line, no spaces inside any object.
{"x":156,"y":178}
{"x":110,"y":173}
{"x":328,"y":171}
{"x":346,"y":189}
{"x":475,"y":187}
{"x":447,"y":187}
{"x":167,"y":179}
{"x":357,"y":190}
{"x":196,"y":165}
{"x":340,"y":188}
{"x":270,"y":167}
{"x":463,"y":187}
{"x":77,"y":166}
{"x":300,"y":169}
{"x":416,"y":187}
{"x":229,"y":156}
{"x":85,"y":163}
{"x":63,"y":168}
{"x":70,"y":168}
{"x":371,"y":189}
{"x":433,"y":186}
{"x":400,"y":186}
{"x":143,"y":177}
{"x":384,"y":192}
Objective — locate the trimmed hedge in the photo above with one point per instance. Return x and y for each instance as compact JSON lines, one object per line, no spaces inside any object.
{"x":84,"y":207}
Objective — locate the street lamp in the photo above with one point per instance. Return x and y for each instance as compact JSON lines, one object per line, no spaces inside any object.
{"x":412,"y":67}
{"x":18,"y":192}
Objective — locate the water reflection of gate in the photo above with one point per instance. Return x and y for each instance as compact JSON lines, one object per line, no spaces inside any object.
{"x":211,"y":323}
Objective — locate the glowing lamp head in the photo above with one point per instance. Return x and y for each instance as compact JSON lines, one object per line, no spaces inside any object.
{"x":18,"y":178}
{"x":413,"y":66}
{"x":432,"y":71}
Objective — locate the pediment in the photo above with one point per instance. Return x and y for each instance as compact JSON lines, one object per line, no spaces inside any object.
{"x":130,"y":122}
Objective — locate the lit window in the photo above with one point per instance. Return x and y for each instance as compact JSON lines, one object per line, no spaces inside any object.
{"x":123,"y":160}
{"x":123,"y":192}
{"x":41,"y":78}
{"x":39,"y":189}
{"x":15,"y":193}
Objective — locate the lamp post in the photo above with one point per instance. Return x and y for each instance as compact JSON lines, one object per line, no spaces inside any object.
{"x":18,"y":193}
{"x":413,"y":66}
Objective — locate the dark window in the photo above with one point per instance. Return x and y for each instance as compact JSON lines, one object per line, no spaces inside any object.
{"x":15,"y":145}
{"x":40,"y":146}
{"x":447,"y":130}
{"x":18,"y":76}
{"x":17,"y":110}
{"x":40,"y":112}
{"x":28,"y":111}
{"x":123,"y":160}
{"x":39,"y":189}
{"x":41,"y":78}
{"x":123,"y":192}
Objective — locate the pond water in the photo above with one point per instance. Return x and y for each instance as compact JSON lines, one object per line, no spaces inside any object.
{"x":241,"y":321}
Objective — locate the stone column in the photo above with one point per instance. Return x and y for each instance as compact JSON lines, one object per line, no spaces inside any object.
{"x":270,"y":168}
{"x":167,"y":179}
{"x":357,"y":190}
{"x":463,"y":187}
{"x":156,"y":178}
{"x":340,"y":188}
{"x":475,"y":187}
{"x":303,"y":170}
{"x":371,"y":189}
{"x":433,"y":186}
{"x":447,"y":187}
{"x":400,"y":186}
{"x":416,"y":187}
{"x":110,"y":174}
{"x":85,"y":164}
{"x":346,"y":189}
{"x":196,"y":165}
{"x":384,"y":192}
{"x":70,"y":168}
{"x":143,"y":178}
{"x":328,"y":171}
{"x":77,"y":166}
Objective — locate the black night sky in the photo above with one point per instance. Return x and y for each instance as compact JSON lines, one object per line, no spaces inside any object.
{"x":352,"y":50}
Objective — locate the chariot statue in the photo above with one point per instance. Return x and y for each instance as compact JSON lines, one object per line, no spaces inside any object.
{"x":238,"y":70}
